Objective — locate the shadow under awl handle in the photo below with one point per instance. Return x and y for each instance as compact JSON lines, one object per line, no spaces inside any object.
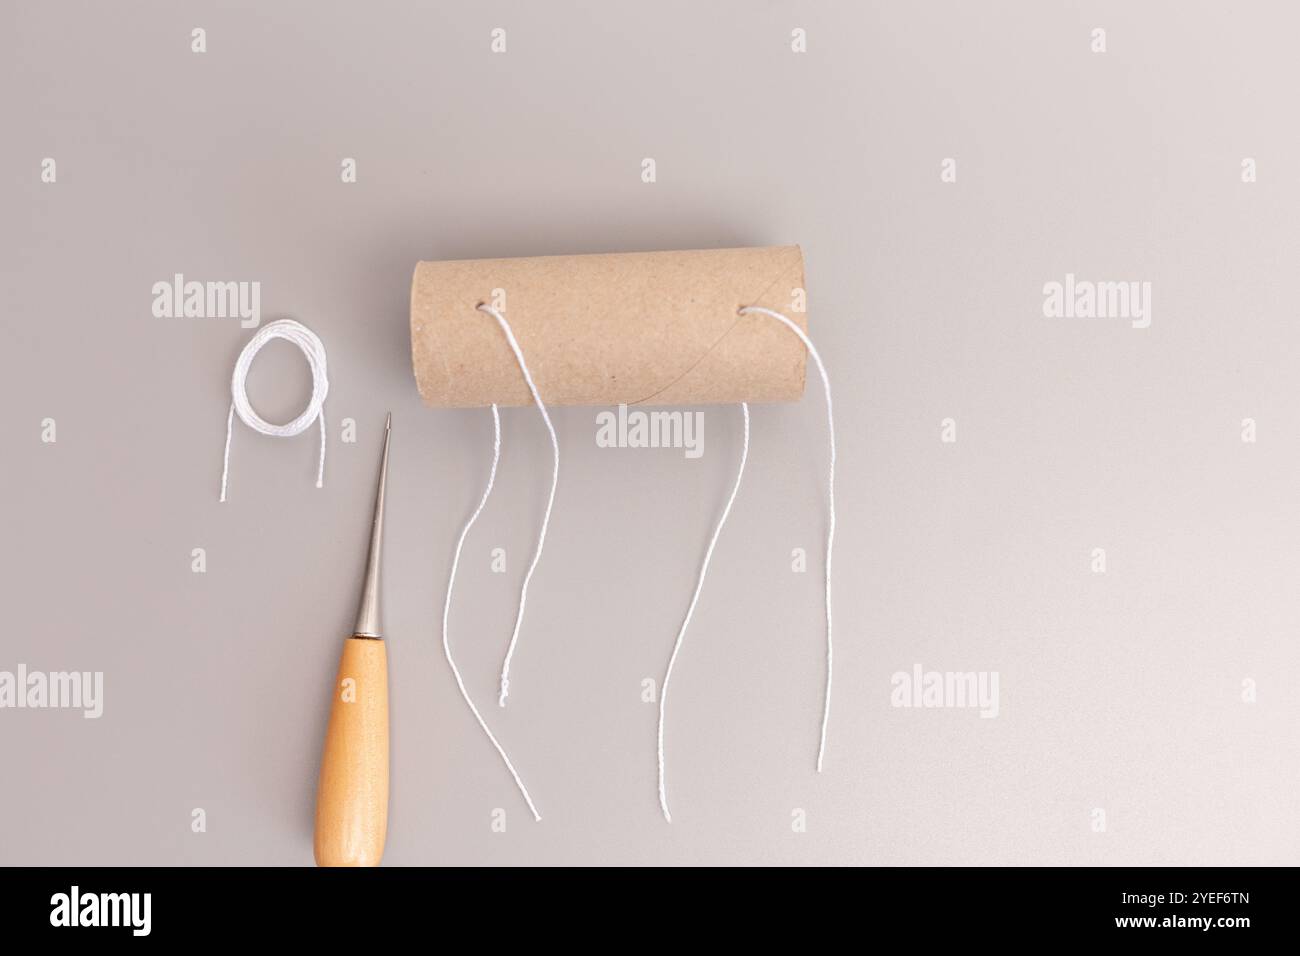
{"x":352,"y":796}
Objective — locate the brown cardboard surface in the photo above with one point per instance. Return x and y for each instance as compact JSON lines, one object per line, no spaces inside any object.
{"x":656,"y":328}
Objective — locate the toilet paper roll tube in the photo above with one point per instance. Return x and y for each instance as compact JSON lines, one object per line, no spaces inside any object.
{"x":653,"y":328}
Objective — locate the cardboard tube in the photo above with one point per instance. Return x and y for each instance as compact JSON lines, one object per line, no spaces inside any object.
{"x":653,"y":328}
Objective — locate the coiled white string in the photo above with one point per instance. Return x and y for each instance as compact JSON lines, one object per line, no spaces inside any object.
{"x":830,"y":530}
{"x":690,"y":610}
{"x":311,"y":347}
{"x":550,"y":499}
{"x":446,"y":612}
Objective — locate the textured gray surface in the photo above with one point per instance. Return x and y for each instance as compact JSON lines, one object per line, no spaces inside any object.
{"x":1119,"y":691}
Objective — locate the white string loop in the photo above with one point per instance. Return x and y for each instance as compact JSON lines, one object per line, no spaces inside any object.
{"x":550,"y":500}
{"x":690,"y":610}
{"x":830,"y":530}
{"x":310,"y":344}
{"x":446,"y":613}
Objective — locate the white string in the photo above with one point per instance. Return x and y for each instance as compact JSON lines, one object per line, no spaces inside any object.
{"x":446,"y":612}
{"x":830,"y":531}
{"x":550,"y":500}
{"x":690,"y":610}
{"x":311,"y":346}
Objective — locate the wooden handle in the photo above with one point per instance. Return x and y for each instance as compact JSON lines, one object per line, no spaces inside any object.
{"x":352,"y":797}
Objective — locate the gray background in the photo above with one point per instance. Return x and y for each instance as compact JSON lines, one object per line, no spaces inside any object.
{"x":1120,"y":691}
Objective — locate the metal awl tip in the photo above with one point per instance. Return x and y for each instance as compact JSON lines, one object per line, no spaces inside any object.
{"x":368,"y":617}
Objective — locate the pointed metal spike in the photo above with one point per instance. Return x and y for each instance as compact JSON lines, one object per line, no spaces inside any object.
{"x":368,"y":616}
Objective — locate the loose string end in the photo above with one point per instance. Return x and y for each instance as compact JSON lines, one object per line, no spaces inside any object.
{"x":225,"y":458}
{"x":830,"y":494}
{"x":690,"y":611}
{"x":320,"y":468}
